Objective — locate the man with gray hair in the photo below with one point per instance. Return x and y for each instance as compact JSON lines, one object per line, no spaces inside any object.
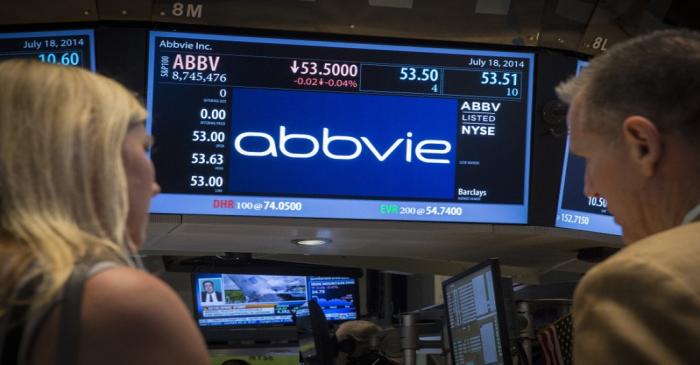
{"x":635,"y":117}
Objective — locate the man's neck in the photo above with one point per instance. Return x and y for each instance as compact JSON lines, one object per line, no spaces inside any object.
{"x":680,"y":173}
{"x":666,"y":206}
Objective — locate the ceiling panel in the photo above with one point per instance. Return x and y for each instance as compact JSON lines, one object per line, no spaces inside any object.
{"x":42,"y":11}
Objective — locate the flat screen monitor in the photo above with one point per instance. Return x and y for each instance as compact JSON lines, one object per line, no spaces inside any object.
{"x":277,"y":127}
{"x":65,"y":47}
{"x":248,"y":300}
{"x":576,"y":210}
{"x":476,"y":313}
{"x":316,"y":345}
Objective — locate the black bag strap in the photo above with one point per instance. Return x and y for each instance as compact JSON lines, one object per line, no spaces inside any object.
{"x":11,"y":330}
{"x":4,"y":329}
{"x":69,"y":327}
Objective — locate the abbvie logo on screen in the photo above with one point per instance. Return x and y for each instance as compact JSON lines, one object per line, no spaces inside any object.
{"x":427,"y":151}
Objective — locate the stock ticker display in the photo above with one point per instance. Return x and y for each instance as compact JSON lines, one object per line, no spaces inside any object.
{"x":301,"y":128}
{"x":68,"y":47}
{"x":575,"y":209}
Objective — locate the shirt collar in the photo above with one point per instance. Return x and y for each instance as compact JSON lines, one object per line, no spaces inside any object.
{"x":692,"y":215}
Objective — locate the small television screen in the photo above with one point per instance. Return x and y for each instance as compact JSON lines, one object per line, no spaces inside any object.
{"x":576,"y":210}
{"x":276,"y":127}
{"x":476,"y":316}
{"x":248,"y":300}
{"x":64,"y":47}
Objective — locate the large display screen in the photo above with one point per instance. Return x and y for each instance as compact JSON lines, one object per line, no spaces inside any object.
{"x":576,"y":210}
{"x":242,"y":300}
{"x":477,"y":328}
{"x":300,"y":128}
{"x":67,"y":47}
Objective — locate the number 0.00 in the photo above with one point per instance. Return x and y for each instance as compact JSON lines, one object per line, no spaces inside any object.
{"x":215,"y":114}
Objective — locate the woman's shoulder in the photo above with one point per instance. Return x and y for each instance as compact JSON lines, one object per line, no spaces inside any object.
{"x":130,"y":316}
{"x":122,"y":292}
{"x":118,"y":281}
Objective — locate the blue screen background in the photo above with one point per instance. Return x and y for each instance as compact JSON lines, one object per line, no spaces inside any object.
{"x":382,"y":119}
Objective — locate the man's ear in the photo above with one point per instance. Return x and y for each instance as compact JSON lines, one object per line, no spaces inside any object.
{"x":643,"y":143}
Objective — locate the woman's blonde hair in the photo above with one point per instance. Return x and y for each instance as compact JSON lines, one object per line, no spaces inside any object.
{"x":63,"y":189}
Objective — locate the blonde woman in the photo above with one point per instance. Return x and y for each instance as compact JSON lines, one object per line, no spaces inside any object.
{"x":75,"y":185}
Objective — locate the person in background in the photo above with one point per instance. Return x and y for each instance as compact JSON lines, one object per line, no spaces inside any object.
{"x":209,"y":295}
{"x":635,"y":117}
{"x":75,"y":186}
{"x":364,"y":342}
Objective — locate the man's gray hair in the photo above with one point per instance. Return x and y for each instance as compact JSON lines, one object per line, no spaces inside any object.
{"x":656,"y":76}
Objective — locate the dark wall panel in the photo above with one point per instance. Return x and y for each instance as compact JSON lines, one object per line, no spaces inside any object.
{"x":548,"y":137}
{"x":42,"y":11}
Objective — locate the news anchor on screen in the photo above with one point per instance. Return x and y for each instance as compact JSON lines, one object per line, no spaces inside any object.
{"x":209,"y":295}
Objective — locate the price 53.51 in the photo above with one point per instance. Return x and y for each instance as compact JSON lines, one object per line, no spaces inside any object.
{"x":499,"y":78}
{"x":204,"y":159}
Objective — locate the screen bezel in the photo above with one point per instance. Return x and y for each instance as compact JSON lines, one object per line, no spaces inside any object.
{"x":500,"y":306}
{"x":194,"y":284}
{"x":605,"y":224}
{"x":365,"y":43}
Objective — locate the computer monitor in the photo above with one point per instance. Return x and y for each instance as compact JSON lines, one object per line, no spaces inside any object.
{"x":316,"y":346}
{"x":250,"y":300}
{"x":477,"y":322}
{"x":64,"y":47}
{"x":281,"y":127}
{"x":576,"y":210}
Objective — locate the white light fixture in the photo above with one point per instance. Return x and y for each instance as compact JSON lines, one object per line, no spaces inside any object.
{"x":311,"y":241}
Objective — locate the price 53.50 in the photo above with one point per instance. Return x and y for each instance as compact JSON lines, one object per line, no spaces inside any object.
{"x":419,"y":74}
{"x":204,"y":159}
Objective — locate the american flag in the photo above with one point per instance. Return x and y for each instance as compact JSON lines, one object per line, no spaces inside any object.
{"x":557,"y":341}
